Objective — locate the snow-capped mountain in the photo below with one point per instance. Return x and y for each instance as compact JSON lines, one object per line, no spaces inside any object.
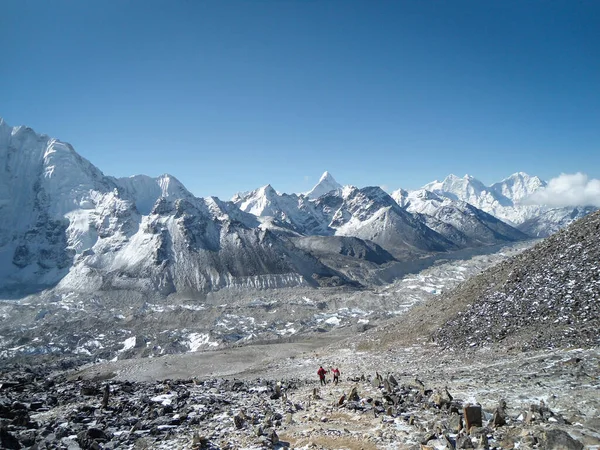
{"x":325,"y":185}
{"x":552,"y":220}
{"x":467,"y":189}
{"x":459,"y":221}
{"x":64,"y":223}
{"x":292,"y":211}
{"x":504,"y":200}
{"x":370,"y":213}
{"x":517,"y":187}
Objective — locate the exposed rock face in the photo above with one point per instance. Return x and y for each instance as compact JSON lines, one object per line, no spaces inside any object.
{"x":548,"y":296}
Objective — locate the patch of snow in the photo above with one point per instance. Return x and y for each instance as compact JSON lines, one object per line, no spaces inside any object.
{"x":128,"y":344}
{"x":197,"y":340}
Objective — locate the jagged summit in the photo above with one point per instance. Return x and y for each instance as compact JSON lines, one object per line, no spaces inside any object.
{"x":145,"y":190}
{"x":518,"y":186}
{"x":325,"y":185}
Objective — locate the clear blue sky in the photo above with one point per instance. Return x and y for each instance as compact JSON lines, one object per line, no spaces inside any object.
{"x":232,"y":95}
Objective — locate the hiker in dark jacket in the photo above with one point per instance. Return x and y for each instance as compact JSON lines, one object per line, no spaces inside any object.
{"x":321,"y":372}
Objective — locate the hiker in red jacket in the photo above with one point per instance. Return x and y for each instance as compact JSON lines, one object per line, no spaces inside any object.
{"x":321,"y":372}
{"x":336,"y":375}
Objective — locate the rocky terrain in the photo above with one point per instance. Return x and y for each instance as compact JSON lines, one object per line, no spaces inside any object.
{"x":406,"y":398}
{"x":427,"y":379}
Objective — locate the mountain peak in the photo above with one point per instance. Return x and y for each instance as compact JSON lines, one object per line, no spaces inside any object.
{"x":326,"y":176}
{"x":518,"y":186}
{"x":267,"y":190}
{"x":325,"y":185}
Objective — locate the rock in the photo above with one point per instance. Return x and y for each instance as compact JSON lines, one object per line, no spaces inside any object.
{"x":273,"y":437}
{"x":424,"y":439}
{"x":199,"y":441}
{"x":529,"y":417}
{"x":89,"y":390}
{"x":353,"y":397}
{"x":441,"y":398}
{"x":238,"y":421}
{"x":473,"y":416}
{"x":498,"y":419}
{"x":386,"y":386}
{"x":27,"y":438}
{"x":8,"y":440}
{"x":392,"y":380}
{"x":105,"y":396}
{"x":420,"y":385}
{"x":35,"y":405}
{"x":455,"y":423}
{"x":464,"y":442}
{"x":324,"y":419}
{"x":341,"y":400}
{"x":556,"y":439}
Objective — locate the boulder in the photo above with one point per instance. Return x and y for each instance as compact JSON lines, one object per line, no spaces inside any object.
{"x":455,"y":423}
{"x":464,"y":442}
{"x":556,"y":439}
{"x":498,"y":419}
{"x":8,"y":441}
{"x":353,"y":397}
{"x":441,"y":398}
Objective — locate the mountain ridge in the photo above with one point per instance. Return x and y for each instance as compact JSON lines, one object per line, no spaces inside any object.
{"x":66,"y":224}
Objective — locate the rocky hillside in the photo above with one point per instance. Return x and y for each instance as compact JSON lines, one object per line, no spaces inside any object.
{"x":548,"y":296}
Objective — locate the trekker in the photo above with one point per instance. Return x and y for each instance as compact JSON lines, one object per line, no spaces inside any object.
{"x":321,"y":372}
{"x":336,"y":375}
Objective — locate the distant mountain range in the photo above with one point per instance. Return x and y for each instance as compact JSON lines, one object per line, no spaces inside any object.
{"x":64,"y":224}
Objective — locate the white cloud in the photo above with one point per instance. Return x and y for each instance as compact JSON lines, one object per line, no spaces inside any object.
{"x":568,"y":190}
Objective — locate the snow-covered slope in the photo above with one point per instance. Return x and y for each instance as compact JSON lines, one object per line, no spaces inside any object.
{"x":459,"y":221}
{"x":325,"y":185}
{"x":145,"y":190}
{"x":552,"y":220}
{"x":48,"y":200}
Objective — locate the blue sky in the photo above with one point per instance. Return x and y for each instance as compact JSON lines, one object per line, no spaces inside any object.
{"x":231,"y":95}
